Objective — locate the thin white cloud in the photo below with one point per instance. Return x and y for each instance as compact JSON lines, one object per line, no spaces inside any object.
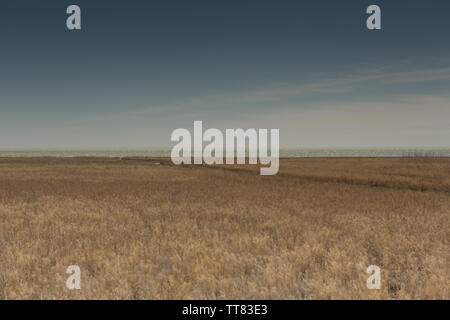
{"x":418,"y":121}
{"x":350,"y":83}
{"x":346,"y":84}
{"x":396,"y":120}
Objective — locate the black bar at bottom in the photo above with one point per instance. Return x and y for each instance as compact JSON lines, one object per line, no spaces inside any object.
{"x":222,"y":309}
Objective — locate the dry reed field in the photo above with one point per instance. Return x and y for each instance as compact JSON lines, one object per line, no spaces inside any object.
{"x":145,"y":229}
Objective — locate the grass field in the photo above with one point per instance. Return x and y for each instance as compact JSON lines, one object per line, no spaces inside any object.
{"x":145,"y":229}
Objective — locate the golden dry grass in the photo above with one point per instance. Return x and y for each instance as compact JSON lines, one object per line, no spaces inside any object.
{"x":147,"y":231}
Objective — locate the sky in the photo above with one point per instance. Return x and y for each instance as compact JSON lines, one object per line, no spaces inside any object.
{"x":137,"y":70}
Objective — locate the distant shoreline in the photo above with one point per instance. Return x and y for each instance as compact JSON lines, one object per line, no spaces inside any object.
{"x":388,"y":152}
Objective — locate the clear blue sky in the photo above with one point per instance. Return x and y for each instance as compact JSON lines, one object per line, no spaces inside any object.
{"x":139,"y":69}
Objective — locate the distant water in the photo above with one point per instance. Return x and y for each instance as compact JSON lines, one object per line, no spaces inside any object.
{"x":292,"y":153}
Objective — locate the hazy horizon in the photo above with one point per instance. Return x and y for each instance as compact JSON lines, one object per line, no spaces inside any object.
{"x":284,"y":152}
